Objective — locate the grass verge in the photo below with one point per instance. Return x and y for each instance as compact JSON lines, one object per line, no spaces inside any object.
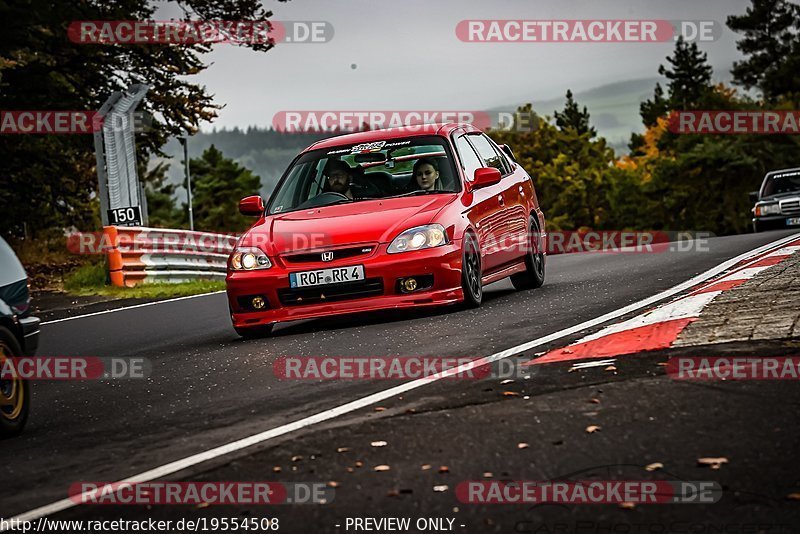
{"x":90,"y":280}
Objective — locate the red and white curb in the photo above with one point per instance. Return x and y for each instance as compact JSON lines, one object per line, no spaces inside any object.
{"x":659,"y":327}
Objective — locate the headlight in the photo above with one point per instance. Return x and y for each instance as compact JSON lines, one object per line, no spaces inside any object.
{"x":768,"y":209}
{"x":428,"y":236}
{"x":249,"y":259}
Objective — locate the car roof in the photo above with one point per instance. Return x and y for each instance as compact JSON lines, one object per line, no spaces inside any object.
{"x":443,"y":129}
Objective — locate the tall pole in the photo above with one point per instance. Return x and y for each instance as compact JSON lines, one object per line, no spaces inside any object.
{"x":188,"y":178}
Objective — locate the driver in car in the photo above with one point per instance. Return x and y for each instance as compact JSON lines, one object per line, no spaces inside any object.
{"x":339,"y":176}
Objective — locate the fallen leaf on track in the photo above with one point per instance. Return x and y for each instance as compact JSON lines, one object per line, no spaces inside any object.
{"x":488,"y":474}
{"x":297,"y":458}
{"x":444,"y":469}
{"x":506,"y":381}
{"x":343,"y":449}
{"x":333,"y":484}
{"x":276,"y":469}
{"x":594,"y":401}
{"x":713,"y":463}
{"x":522,"y":445}
{"x":610,"y":368}
{"x":381,"y":468}
{"x":379,"y":444}
{"x":380,"y":409}
{"x":425,"y":467}
{"x":443,"y":487}
{"x":653,"y":466}
{"x":510,"y":394}
{"x":793,"y":496}
{"x":591,"y":429}
{"x":627,"y":505}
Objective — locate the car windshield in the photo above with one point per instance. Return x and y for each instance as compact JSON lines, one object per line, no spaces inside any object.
{"x":788,"y":182}
{"x":367,"y":171}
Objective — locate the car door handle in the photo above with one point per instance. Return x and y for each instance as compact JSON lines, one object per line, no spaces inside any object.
{"x":501,"y":200}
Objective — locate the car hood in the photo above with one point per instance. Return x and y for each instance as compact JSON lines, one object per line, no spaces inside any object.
{"x":779,"y":196}
{"x":367,"y":221}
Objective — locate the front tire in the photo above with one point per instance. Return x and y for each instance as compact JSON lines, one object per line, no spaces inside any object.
{"x":533,"y":276}
{"x":471,"y":272}
{"x":254,"y":332}
{"x":14,"y":392}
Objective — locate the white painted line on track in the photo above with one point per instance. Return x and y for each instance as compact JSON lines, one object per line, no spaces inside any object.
{"x":255,"y":439}
{"x":130,"y":308}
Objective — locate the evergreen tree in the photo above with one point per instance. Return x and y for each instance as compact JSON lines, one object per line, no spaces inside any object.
{"x":573,"y":117}
{"x":218,"y":183}
{"x":689,"y":77}
{"x":650,"y":110}
{"x":771,"y":44}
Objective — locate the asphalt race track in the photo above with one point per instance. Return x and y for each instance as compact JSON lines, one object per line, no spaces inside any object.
{"x":209,"y":388}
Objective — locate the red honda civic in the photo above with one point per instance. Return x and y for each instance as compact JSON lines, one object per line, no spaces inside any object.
{"x":396,"y":218}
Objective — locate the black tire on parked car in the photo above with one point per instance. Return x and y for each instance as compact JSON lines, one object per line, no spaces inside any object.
{"x":471,"y":272}
{"x":533,"y":276}
{"x":15,"y":396}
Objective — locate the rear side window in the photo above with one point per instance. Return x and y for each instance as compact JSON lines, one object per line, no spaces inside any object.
{"x":469,"y":160}
{"x":488,"y":154}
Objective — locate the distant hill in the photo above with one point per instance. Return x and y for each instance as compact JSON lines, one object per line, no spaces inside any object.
{"x":614,"y":108}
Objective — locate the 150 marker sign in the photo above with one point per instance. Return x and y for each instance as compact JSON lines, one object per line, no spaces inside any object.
{"x":130,"y":216}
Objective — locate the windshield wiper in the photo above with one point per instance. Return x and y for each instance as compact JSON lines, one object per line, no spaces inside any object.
{"x":419,"y":192}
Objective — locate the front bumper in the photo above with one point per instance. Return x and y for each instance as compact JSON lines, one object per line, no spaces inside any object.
{"x":30,"y":334}
{"x":443,"y":264}
{"x":775,"y":222}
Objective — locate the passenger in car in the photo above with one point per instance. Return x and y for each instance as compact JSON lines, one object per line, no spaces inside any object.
{"x":425,"y":174}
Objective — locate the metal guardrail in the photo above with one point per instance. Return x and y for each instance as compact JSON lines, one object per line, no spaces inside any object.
{"x":138,"y":255}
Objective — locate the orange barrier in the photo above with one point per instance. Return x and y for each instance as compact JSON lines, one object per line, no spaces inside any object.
{"x":139,"y":255}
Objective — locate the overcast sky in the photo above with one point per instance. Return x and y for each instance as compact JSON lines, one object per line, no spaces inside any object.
{"x":408,"y":57}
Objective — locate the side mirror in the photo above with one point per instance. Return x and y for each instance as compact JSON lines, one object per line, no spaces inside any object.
{"x":509,"y":153}
{"x":252,"y":205}
{"x":753,"y":196}
{"x":485,"y":177}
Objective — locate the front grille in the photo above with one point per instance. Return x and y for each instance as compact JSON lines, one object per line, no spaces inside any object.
{"x":338,"y":254}
{"x":331,"y":293}
{"x":790,"y":206}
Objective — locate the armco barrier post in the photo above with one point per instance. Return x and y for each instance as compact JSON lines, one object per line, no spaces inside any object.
{"x":114,"y":256}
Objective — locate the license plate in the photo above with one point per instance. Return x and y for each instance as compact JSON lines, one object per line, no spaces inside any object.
{"x":793,"y":221}
{"x":322,"y":277}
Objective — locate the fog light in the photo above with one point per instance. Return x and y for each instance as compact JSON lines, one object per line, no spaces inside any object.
{"x":410,"y":284}
{"x":258,"y":303}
